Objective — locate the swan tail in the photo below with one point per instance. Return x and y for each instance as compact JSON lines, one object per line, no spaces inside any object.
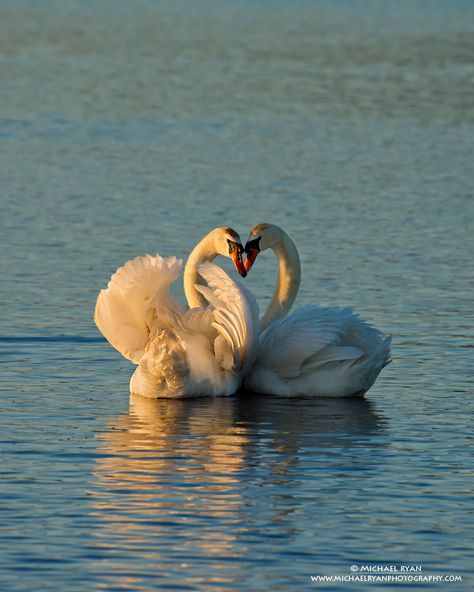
{"x":136,"y":302}
{"x":359,"y":333}
{"x":385,"y":353}
{"x":362,"y":373}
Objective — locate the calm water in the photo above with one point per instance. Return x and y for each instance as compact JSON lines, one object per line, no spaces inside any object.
{"x":137,"y":127}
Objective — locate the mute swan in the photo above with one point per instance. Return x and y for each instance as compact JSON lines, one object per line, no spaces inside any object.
{"x":325,"y":352}
{"x":205,"y":350}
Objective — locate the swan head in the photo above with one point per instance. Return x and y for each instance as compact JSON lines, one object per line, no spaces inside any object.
{"x":260,"y":238}
{"x":228,"y":244}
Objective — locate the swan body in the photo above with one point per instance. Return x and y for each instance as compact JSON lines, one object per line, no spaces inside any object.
{"x":180,"y":352}
{"x":314,"y":351}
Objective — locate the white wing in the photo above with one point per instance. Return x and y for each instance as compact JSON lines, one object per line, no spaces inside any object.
{"x":179,"y":353}
{"x":206,"y":350}
{"x":235,"y":313}
{"x":288,"y":343}
{"x":320,"y":352}
{"x":137,"y":303}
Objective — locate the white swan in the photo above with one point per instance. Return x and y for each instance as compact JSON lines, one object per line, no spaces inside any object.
{"x":205,"y":350}
{"x":326,"y":352}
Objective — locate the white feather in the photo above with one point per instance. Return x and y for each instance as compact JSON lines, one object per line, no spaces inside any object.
{"x":316,"y":351}
{"x":179,"y":352}
{"x":236,"y":312}
{"x":326,"y":352}
{"x":136,"y":300}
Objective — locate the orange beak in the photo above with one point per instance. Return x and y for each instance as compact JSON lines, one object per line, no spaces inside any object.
{"x":238,"y":263}
{"x":251,"y":256}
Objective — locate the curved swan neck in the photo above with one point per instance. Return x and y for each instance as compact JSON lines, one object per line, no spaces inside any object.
{"x":205,"y":250}
{"x":289,"y":277}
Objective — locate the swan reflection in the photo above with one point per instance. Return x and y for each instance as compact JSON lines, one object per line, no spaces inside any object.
{"x":167,"y":487}
{"x":317,"y":423}
{"x":182,"y":482}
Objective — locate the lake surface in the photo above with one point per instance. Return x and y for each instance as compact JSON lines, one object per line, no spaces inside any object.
{"x":128,"y":128}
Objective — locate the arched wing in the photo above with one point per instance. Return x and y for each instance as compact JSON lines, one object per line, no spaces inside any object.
{"x":235,"y":315}
{"x":137,"y":302}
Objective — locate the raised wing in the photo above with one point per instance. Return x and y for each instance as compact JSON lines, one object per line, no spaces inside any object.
{"x":235,"y":315}
{"x":137,"y":303}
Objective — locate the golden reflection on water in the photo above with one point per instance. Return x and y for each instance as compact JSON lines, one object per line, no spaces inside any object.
{"x":172,"y":477}
{"x":167,"y":471}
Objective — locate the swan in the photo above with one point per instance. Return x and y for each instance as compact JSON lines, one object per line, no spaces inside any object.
{"x":204,"y":350}
{"x":325,"y":352}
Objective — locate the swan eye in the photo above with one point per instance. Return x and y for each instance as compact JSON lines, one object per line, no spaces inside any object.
{"x":253,"y":244}
{"x":235,"y":248}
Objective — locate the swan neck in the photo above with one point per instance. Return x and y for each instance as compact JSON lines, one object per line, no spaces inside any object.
{"x":202,"y":252}
{"x":288,"y":282}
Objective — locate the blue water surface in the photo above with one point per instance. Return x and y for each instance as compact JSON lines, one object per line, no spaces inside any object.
{"x":128,"y":128}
